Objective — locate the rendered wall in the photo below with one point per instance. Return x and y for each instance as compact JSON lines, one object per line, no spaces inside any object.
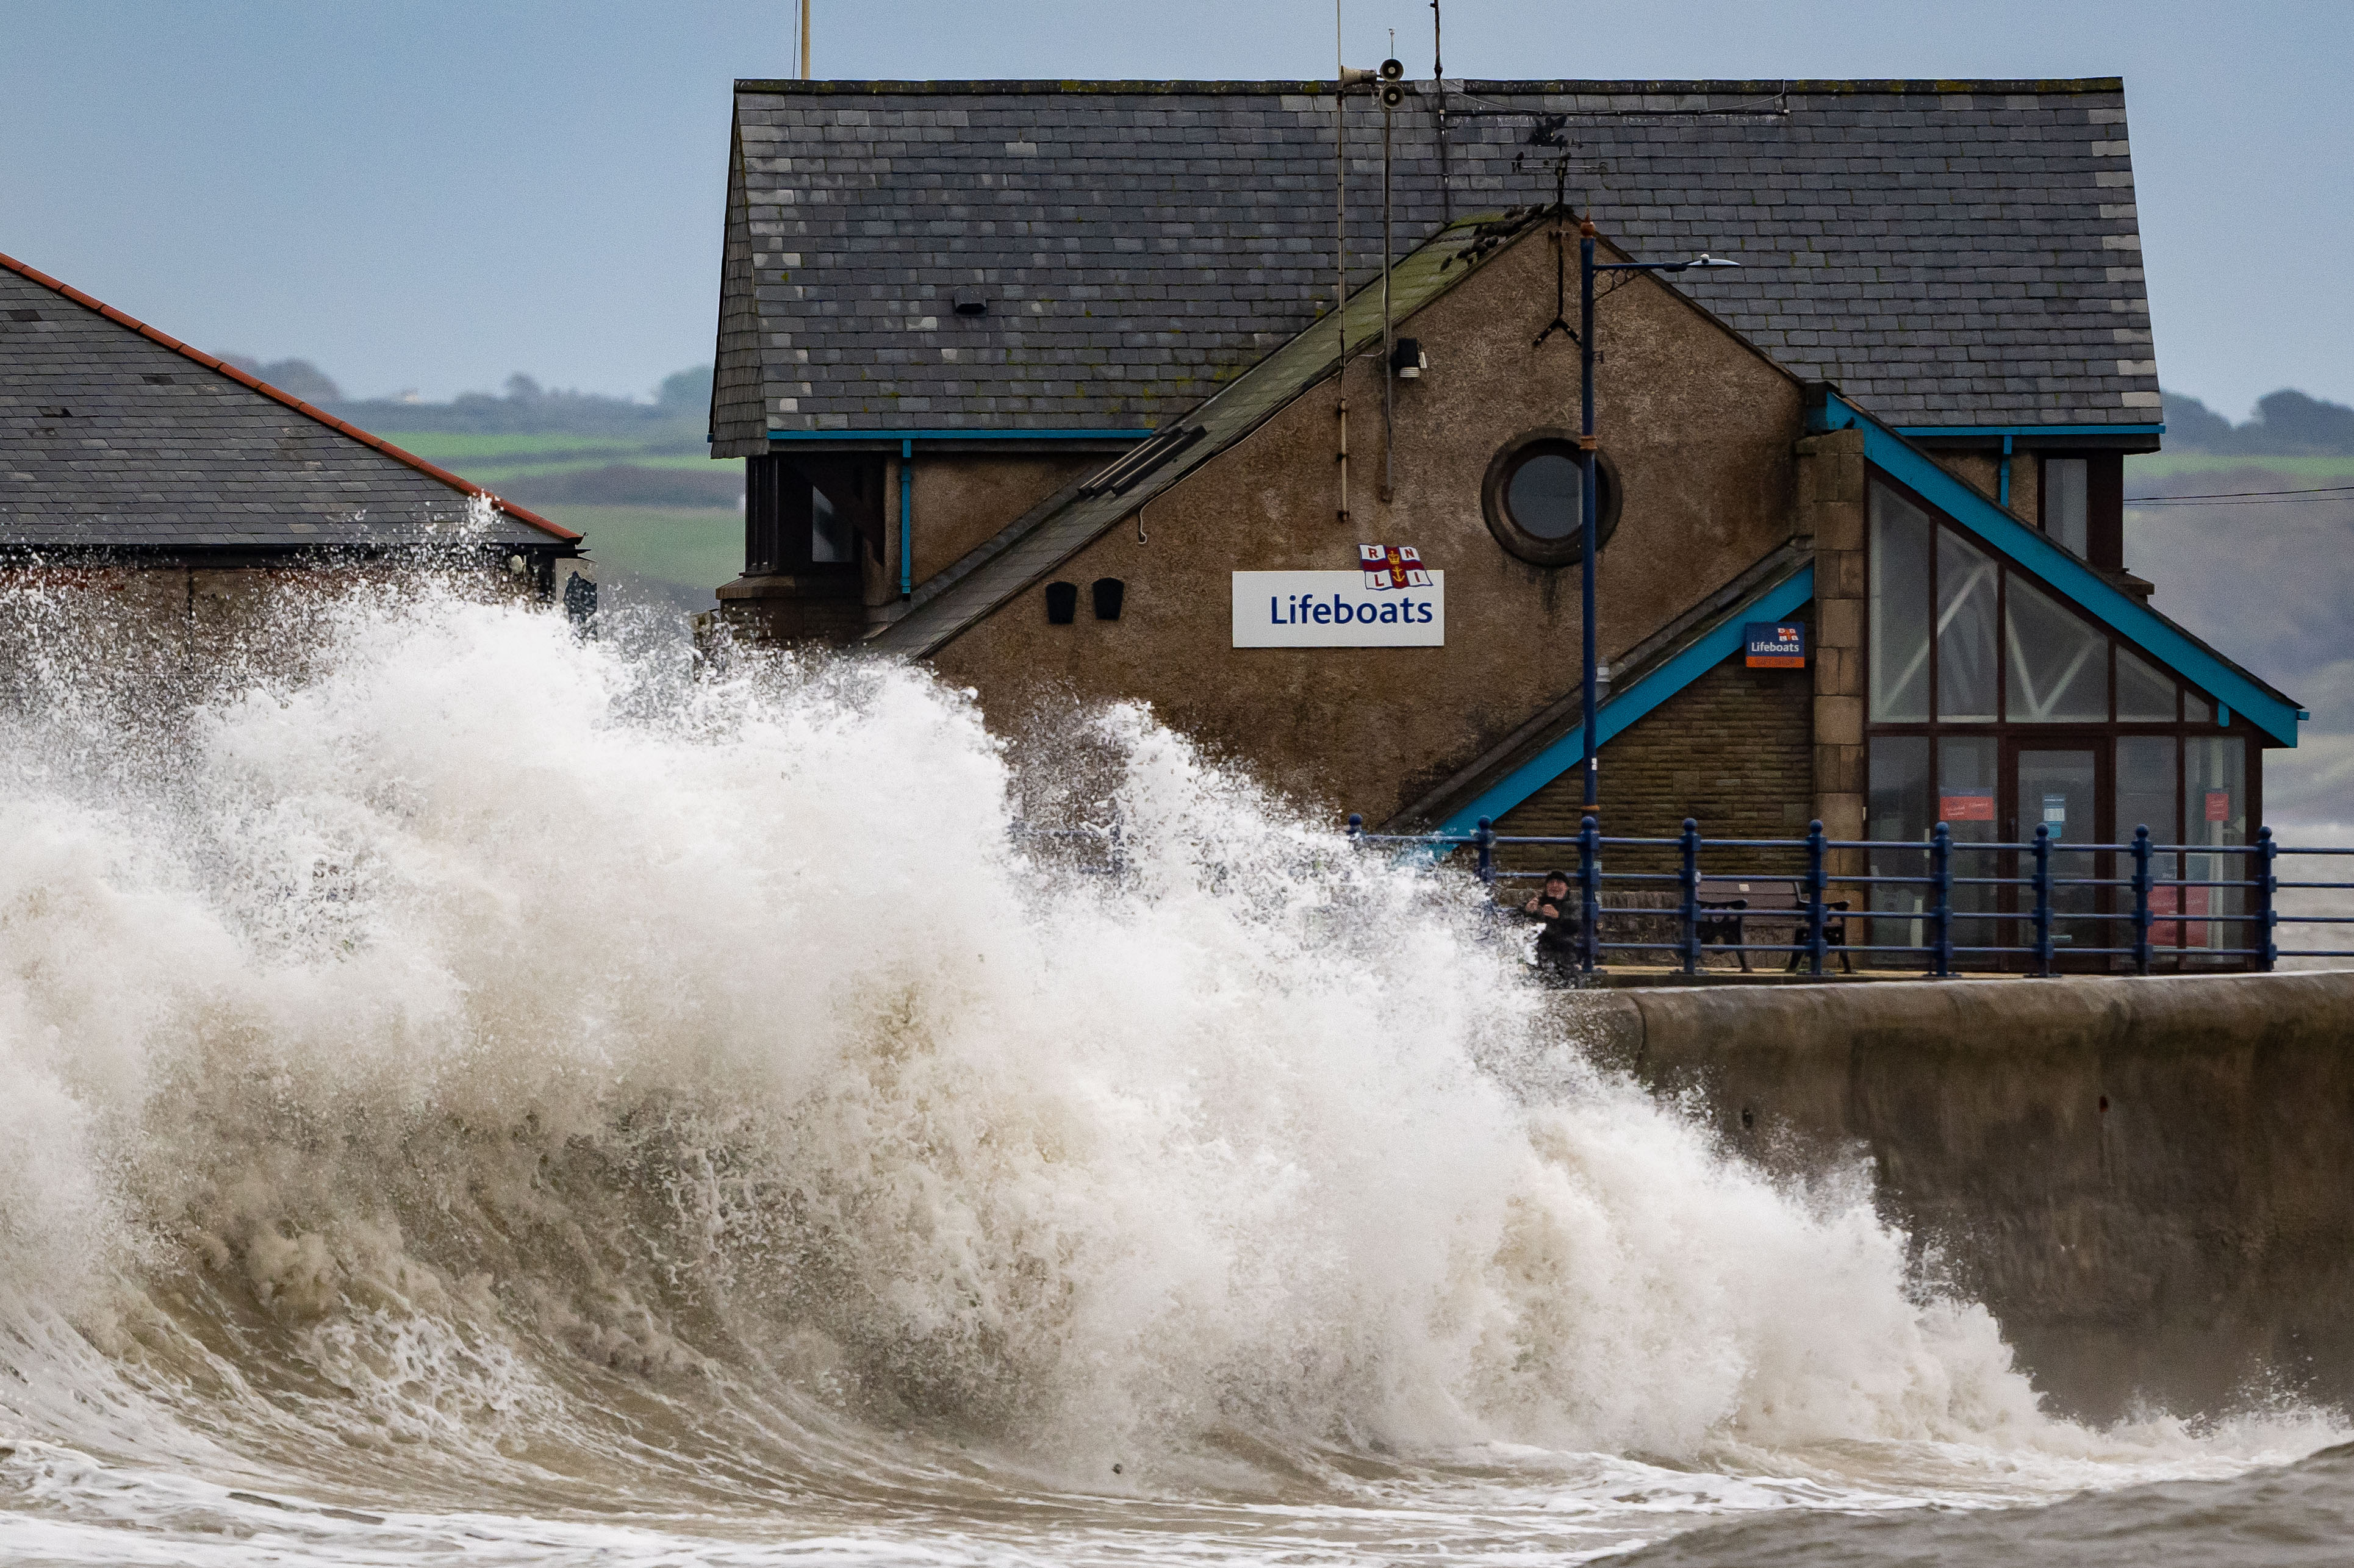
{"x":1701,"y":428}
{"x":208,"y":623}
{"x":2150,"y":1182}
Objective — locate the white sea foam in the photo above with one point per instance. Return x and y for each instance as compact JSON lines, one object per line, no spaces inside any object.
{"x":492,"y":1075}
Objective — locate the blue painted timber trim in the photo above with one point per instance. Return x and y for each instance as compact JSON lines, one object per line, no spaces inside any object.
{"x":1715,"y":646}
{"x":906,"y":518}
{"x":1886,"y":450}
{"x":957,"y":435}
{"x":1934,"y":431}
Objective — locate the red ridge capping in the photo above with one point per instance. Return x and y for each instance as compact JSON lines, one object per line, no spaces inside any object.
{"x":266,"y":389}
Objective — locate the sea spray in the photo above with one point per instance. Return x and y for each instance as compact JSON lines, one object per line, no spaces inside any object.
{"x":486,"y":1067}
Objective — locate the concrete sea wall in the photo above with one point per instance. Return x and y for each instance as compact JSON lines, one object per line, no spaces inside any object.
{"x":2149,"y":1181}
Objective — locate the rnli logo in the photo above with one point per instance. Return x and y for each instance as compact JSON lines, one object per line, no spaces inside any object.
{"x":1392,"y":567}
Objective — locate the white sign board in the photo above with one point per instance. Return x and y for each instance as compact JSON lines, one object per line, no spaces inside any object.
{"x":1336,"y":609}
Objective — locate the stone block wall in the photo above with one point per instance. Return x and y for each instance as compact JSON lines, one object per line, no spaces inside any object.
{"x":1732,"y":750}
{"x":1831,"y":509}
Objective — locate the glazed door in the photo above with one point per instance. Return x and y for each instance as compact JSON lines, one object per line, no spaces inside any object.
{"x":2058,"y":788}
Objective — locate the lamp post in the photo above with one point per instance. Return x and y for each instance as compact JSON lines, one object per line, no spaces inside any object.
{"x":1587,"y":508}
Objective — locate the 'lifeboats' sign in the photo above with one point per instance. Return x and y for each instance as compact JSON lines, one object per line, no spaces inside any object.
{"x":1776,"y":645}
{"x":1336,"y":609}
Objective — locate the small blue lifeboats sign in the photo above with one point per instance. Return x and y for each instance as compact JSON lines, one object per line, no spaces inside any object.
{"x":1776,"y":645}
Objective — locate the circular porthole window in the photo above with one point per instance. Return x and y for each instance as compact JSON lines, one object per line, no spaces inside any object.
{"x":1533,"y":498}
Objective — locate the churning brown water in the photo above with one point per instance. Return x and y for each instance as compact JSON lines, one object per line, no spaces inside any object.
{"x":496,"y":1098}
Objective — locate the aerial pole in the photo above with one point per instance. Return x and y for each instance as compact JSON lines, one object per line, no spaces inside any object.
{"x":805,"y":40}
{"x":1588,"y":514}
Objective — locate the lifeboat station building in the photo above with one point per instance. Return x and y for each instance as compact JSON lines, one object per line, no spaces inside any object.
{"x":1257,"y":401}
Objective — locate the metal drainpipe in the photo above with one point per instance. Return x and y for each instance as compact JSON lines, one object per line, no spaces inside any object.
{"x":906,"y":519}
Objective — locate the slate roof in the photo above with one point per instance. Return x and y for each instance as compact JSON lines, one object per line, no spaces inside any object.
{"x":1067,"y":523}
{"x":1949,"y":253}
{"x":116,"y":436}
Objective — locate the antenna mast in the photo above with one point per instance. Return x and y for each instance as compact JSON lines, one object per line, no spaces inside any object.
{"x":805,"y":40}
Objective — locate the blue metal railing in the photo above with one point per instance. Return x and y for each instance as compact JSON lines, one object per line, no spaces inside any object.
{"x":2142,"y":904}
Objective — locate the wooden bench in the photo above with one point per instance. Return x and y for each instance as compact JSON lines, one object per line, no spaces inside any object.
{"x":1728,"y":902}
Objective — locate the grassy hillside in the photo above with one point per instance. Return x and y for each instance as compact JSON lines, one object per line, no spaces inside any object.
{"x":2269,"y":584}
{"x":2157,"y":466}
{"x":666,"y":556}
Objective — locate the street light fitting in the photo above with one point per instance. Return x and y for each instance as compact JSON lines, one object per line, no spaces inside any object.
{"x":1703,"y":262}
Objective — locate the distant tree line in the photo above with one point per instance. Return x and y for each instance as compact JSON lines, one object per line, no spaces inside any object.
{"x":681,"y":405}
{"x":2288,"y":424}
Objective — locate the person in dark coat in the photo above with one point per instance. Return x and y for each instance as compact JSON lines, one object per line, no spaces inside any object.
{"x":1552,"y":904}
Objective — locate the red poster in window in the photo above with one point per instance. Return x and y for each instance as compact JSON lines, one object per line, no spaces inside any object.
{"x":1965,"y":808}
{"x":2219,"y":805}
{"x":2167,"y":901}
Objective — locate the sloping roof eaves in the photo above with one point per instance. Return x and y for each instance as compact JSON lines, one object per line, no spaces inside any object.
{"x":1228,"y":417}
{"x":2155,"y":634}
{"x":465,"y":487}
{"x":1554,"y":741}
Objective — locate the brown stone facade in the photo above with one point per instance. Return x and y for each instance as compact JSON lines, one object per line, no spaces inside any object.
{"x":1733,"y":751}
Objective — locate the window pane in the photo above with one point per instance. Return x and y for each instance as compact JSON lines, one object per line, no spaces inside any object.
{"x":2065,"y":511}
{"x":2058,"y":666}
{"x":1898,"y":805}
{"x":1899,"y":632}
{"x":2146,"y":799}
{"x":2196,"y":709}
{"x":2146,"y":789}
{"x":1545,"y":495}
{"x":2144,"y":695}
{"x":2215,"y":791}
{"x":829,"y":530}
{"x":1965,"y":647}
{"x":1965,"y":804}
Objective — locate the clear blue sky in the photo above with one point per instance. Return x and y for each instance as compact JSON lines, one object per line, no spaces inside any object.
{"x":434,"y":194}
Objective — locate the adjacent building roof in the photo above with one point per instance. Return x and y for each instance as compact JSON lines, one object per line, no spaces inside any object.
{"x":1950,"y":253}
{"x":114,"y":436}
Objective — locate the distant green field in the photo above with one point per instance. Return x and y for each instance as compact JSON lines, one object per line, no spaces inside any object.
{"x":2165,"y":465}
{"x":684,"y":547}
{"x":438,"y":446}
{"x":504,"y":458}
{"x":493,"y":472}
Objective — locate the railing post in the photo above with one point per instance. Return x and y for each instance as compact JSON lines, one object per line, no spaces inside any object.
{"x":2141,"y":900}
{"x":1485,"y":836}
{"x":1692,"y":896}
{"x":1589,"y":883}
{"x":2043,"y":900}
{"x":2267,"y":885}
{"x":1356,"y":829}
{"x":1815,"y":884}
{"x":1119,"y":853}
{"x":1941,"y":875}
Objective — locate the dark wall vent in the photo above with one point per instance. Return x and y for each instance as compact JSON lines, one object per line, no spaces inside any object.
{"x":1108,"y":593}
{"x":1062,"y":603}
{"x":971,"y":302}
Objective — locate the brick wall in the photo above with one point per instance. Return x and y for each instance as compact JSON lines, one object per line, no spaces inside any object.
{"x":1734,"y":749}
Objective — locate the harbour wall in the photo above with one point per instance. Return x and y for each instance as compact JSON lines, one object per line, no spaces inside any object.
{"x":2149,"y":1181}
